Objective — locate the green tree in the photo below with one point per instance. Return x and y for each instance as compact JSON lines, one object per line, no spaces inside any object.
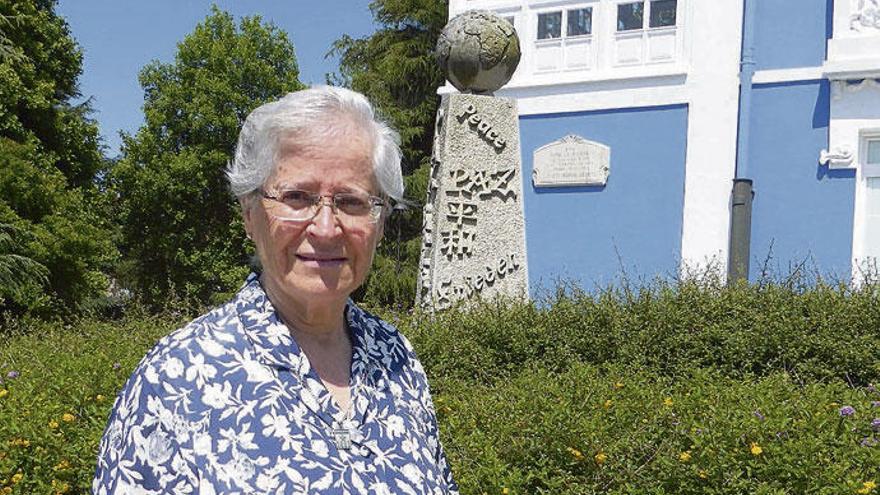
{"x":395,"y":67}
{"x":50,"y":155}
{"x":181,"y":230}
{"x":18,"y":274}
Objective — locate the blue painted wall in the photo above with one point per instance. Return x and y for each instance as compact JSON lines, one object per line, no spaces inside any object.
{"x":802,"y":208}
{"x":584,"y":234}
{"x":791,"y":33}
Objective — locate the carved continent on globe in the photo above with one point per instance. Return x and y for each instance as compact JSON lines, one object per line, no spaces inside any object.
{"x":478,"y":51}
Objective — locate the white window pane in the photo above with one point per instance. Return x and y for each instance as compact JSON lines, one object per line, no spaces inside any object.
{"x":873,"y":151}
{"x":549,"y":25}
{"x":580,"y":22}
{"x":873,"y":197}
{"x":630,"y":16}
{"x":872,"y":218}
{"x":663,"y":13}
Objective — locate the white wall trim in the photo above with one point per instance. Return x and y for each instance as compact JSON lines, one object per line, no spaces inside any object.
{"x":788,"y":75}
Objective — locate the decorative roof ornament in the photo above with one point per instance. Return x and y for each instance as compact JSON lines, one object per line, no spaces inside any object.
{"x":478,"y":52}
{"x":866,"y":15}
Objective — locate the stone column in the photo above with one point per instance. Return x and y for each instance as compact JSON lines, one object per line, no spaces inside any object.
{"x":474,"y":231}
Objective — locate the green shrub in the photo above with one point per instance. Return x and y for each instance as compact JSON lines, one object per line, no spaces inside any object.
{"x":825,"y":333}
{"x":53,"y":414}
{"x":617,"y":431}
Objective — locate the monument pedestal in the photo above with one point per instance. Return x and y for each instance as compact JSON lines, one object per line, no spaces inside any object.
{"x":474,"y":231}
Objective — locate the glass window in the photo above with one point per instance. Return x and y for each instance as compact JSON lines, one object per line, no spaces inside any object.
{"x":630,"y":16}
{"x":549,"y":25}
{"x":872,"y":221}
{"x":873,"y":151}
{"x":662,"y":13}
{"x":509,"y":19}
{"x":580,"y":21}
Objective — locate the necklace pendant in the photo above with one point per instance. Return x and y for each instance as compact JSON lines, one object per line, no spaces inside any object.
{"x":341,"y":437}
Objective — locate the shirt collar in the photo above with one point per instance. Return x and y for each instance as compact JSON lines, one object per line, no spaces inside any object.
{"x":272,"y":342}
{"x":271,"y":339}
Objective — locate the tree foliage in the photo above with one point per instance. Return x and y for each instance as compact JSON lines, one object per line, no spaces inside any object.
{"x":50,"y":155}
{"x":181,"y":231}
{"x":17,"y":273}
{"x":395,"y":67}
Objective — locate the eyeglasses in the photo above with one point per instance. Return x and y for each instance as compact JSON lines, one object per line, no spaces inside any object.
{"x":295,"y":205}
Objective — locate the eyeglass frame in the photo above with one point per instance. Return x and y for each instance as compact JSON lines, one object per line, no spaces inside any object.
{"x":319,"y":202}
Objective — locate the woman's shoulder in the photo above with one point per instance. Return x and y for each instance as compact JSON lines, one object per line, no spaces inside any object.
{"x":376,"y":328}
{"x":384,"y":342}
{"x":204,"y":339}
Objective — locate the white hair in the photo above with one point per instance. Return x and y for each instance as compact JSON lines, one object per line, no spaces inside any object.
{"x":312,"y":114}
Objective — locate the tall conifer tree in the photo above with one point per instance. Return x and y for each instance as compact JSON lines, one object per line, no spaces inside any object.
{"x":50,"y":157}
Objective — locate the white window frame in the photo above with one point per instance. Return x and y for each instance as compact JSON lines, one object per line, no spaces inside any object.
{"x":863,"y":267}
{"x":646,"y":16}
{"x":646,"y":36}
{"x":565,"y":42}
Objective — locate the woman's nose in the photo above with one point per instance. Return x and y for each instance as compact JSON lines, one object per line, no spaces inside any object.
{"x":325,"y":223}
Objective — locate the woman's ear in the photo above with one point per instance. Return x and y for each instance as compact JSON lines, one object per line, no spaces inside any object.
{"x":247,"y":204}
{"x":381,"y":233}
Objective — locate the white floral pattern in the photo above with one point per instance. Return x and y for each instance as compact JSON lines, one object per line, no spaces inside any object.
{"x":229,"y":405}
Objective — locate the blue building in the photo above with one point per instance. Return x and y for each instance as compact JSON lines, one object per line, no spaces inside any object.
{"x":690,"y":95}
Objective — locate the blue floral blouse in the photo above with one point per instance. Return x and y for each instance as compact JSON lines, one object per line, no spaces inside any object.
{"x":229,"y":404}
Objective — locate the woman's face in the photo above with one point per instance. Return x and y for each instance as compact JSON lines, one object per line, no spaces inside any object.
{"x":324,"y":259}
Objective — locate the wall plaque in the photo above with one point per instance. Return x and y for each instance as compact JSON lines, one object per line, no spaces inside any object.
{"x":571,"y":161}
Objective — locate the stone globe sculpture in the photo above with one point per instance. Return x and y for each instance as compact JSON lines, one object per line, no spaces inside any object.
{"x":478,"y":52}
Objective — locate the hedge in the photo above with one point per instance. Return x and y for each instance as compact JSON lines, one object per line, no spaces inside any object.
{"x":822,"y":333}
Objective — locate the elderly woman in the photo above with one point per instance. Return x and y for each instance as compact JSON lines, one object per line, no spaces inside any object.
{"x":289,"y":387}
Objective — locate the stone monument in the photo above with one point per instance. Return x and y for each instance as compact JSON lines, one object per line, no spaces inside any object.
{"x":474,"y":232}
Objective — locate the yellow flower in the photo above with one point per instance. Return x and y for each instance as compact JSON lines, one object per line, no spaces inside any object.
{"x":7,"y":490}
{"x":755,"y":448}
{"x":667,"y":402}
{"x":17,"y":477}
{"x":3,"y":392}
{"x":703,"y":474}
{"x":60,"y":487}
{"x":608,"y":403}
{"x":867,"y":487}
{"x":618,"y":385}
{"x":505,"y":490}
{"x":684,"y":456}
{"x":68,"y":418}
{"x":53,"y":424}
{"x":99,"y":398}
{"x":577,"y":454}
{"x":600,"y":458}
{"x":61,"y":466}
{"x":20,"y":442}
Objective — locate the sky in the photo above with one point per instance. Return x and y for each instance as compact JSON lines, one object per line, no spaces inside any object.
{"x":119,"y":37}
